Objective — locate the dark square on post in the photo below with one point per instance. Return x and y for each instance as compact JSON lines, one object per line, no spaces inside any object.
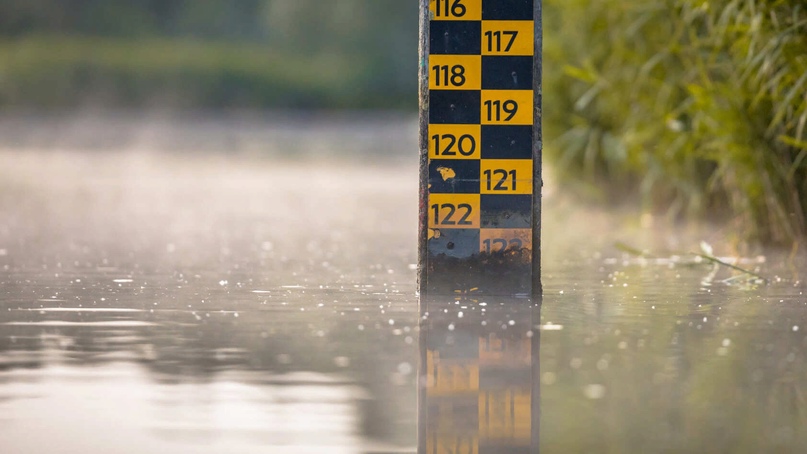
{"x":457,"y":107}
{"x":454,"y":243}
{"x":455,"y":37}
{"x":506,"y":73}
{"x":507,"y":10}
{"x":506,"y":211}
{"x":454,"y":176}
{"x":507,"y":142}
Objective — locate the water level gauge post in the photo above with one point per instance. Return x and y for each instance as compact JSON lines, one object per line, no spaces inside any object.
{"x":480,"y":147}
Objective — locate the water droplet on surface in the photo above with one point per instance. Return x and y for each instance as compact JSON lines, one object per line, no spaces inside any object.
{"x":341,"y":361}
{"x":283,"y":358}
{"x":757,"y":375}
{"x":549,"y":326}
{"x":405,"y":368}
{"x":594,"y":391}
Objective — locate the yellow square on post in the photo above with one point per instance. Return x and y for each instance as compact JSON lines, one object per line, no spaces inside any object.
{"x":455,"y":141}
{"x":507,"y":107}
{"x":497,"y":240}
{"x":511,"y":37}
{"x":455,"y":72}
{"x":454,"y":211}
{"x":506,"y":176}
{"x":455,"y":9}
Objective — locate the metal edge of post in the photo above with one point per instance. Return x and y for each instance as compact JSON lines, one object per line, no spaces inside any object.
{"x":537,"y":150}
{"x":423,"y":144}
{"x":537,"y":284}
{"x":423,"y":186}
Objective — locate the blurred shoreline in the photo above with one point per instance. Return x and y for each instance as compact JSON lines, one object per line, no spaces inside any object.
{"x":298,"y":135}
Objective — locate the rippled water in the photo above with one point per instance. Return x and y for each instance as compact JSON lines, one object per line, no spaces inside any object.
{"x":238,"y":299}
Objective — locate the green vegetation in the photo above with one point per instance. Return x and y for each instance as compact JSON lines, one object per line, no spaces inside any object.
{"x":700,"y":106}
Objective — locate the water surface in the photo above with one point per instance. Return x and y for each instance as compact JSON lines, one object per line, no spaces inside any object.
{"x":240,"y":298}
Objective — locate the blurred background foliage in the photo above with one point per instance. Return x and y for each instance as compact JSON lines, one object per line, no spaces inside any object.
{"x":209,"y":53}
{"x":699,"y":107}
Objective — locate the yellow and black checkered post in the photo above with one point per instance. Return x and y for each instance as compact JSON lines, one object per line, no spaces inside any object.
{"x":480,"y":140}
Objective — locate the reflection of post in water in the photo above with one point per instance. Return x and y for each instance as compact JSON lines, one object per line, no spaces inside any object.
{"x":478,"y":393}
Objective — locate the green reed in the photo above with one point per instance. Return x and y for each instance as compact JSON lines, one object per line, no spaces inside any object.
{"x":700,"y":107}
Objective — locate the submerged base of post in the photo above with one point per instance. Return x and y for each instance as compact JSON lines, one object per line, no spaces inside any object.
{"x":507,"y":272}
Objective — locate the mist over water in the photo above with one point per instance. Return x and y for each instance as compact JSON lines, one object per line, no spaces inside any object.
{"x":248,"y":285}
